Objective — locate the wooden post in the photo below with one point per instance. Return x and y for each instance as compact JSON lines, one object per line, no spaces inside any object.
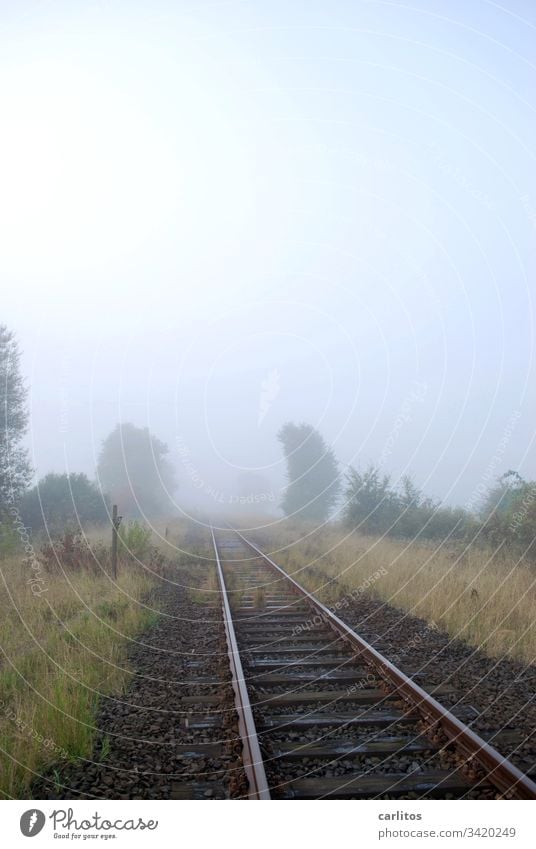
{"x":116,"y":521}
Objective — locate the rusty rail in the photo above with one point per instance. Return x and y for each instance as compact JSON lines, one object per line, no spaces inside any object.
{"x":251,"y":753}
{"x":499,"y":771}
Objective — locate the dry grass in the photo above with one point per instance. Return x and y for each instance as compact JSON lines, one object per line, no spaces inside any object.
{"x":480,"y":595}
{"x":186,"y":541}
{"x":59,"y":650}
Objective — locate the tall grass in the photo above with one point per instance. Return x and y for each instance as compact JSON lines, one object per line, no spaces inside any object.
{"x":60,"y":649}
{"x":484,"y":596}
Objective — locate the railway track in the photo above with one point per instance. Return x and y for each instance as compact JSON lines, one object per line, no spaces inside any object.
{"x":322,"y":714}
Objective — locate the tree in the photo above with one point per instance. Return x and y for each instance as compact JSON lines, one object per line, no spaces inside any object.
{"x":312,"y":471}
{"x":15,"y":471}
{"x":370,"y":503}
{"x":509,"y":511}
{"x":60,"y":501}
{"x":409,"y":495}
{"x":134,"y":471}
{"x":413,"y":509}
{"x":501,"y":497}
{"x":374,"y":507}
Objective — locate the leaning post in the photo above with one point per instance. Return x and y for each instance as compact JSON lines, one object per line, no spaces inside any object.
{"x":116,"y":521}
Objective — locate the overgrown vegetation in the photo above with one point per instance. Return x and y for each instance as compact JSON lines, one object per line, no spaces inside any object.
{"x":509,"y":512}
{"x":63,"y":636}
{"x":74,"y":551}
{"x":374,"y":506}
{"x":136,"y":539}
{"x":481,"y":594}
{"x":507,"y":517}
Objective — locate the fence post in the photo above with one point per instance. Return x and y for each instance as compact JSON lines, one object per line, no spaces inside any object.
{"x":116,"y":521}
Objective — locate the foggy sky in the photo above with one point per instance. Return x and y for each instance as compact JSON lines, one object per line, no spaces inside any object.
{"x":217,"y":217}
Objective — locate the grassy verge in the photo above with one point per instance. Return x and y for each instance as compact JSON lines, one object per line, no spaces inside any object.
{"x":63,"y":640}
{"x":484,"y":596}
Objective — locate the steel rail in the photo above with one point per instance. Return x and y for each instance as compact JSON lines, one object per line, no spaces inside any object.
{"x":500,"y":772}
{"x":251,"y":753}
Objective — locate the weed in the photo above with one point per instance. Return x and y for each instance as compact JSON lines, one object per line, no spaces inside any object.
{"x":105,"y":748}
{"x":65,"y":648}
{"x":136,"y":540}
{"x":259,"y":598}
{"x":480,"y":595}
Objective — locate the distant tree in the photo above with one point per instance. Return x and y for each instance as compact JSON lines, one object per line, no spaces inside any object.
{"x":413,"y":509}
{"x":134,"y":471}
{"x":15,"y":471}
{"x":522,"y":518}
{"x":374,"y":506}
{"x":312,"y":471}
{"x":58,"y":502}
{"x":370,"y":504}
{"x":440,"y":522}
{"x":508,"y":512}
{"x":409,"y":495}
{"x":501,"y":497}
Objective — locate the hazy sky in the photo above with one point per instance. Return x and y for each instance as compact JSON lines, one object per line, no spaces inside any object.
{"x":217,"y":216}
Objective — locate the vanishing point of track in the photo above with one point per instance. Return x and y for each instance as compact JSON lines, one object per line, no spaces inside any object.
{"x":322,"y":714}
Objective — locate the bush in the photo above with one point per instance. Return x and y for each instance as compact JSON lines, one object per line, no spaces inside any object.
{"x":373,"y":506}
{"x":509,"y":511}
{"x":9,"y":540}
{"x":61,"y":500}
{"x":72,"y":552}
{"x":136,"y":539}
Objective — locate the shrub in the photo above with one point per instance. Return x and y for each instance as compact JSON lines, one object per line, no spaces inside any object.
{"x":61,"y":500}
{"x":135,"y":539}
{"x":373,"y":506}
{"x":73,"y":552}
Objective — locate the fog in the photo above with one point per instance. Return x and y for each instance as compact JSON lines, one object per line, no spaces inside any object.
{"x":218,"y":217}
